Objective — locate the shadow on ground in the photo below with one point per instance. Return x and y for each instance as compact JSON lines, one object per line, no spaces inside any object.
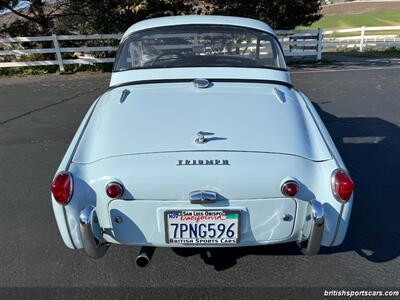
{"x":370,"y":148}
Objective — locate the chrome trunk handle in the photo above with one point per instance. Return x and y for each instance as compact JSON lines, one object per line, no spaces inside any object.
{"x":202,"y":197}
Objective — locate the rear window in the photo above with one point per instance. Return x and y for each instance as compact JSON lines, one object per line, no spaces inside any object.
{"x":199,"y":46}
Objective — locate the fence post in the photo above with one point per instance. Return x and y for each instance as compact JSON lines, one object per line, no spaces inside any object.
{"x":319,"y":46}
{"x":58,"y":53}
{"x":362,"y":39}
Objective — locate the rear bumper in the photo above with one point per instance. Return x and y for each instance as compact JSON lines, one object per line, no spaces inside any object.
{"x":141,"y":223}
{"x":263,"y":221}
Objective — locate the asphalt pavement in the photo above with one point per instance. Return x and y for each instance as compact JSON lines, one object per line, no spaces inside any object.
{"x":38,"y":118}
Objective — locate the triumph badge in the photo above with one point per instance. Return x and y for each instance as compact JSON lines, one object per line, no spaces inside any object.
{"x":201,"y":139}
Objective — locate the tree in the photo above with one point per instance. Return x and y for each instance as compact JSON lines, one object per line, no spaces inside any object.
{"x":279,"y":14}
{"x":107,"y":16}
{"x":110,"y":16}
{"x":90,"y":16}
{"x":37,"y":15}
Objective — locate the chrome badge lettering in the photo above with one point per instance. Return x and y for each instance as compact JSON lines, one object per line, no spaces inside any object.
{"x":203,"y":162}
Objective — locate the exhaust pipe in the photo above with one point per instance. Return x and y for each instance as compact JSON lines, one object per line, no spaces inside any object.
{"x":144,"y":256}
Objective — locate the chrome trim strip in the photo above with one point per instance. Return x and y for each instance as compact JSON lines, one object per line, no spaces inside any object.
{"x":337,"y":225}
{"x":68,"y":228}
{"x":93,"y":247}
{"x":233,"y":80}
{"x":200,"y":151}
{"x":64,"y":211}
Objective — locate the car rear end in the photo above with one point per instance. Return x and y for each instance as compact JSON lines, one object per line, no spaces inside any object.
{"x":248,"y":204}
{"x":263,"y":174}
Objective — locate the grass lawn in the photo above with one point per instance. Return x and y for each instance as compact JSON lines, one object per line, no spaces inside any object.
{"x":378,"y":18}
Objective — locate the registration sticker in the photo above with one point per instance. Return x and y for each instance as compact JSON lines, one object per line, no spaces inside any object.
{"x":202,"y":226}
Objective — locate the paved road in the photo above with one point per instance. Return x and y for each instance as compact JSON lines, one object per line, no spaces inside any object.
{"x":39,"y":115}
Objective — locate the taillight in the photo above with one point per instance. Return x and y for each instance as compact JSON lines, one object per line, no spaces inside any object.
{"x":342,"y":185}
{"x":62,"y":187}
{"x":114,"y":190}
{"x":290,"y":188}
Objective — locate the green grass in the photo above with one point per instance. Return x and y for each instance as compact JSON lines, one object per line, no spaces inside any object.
{"x":379,"y":18}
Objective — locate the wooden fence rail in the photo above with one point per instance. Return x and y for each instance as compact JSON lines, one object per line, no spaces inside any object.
{"x":9,"y":45}
{"x":296,"y":43}
{"x":384,"y":37}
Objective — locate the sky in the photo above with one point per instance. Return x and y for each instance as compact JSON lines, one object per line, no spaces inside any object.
{"x":20,"y":5}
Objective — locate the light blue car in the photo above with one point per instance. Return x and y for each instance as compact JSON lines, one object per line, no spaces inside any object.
{"x":201,"y":140}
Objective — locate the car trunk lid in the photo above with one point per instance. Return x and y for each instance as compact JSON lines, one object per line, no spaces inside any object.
{"x":232,"y":116}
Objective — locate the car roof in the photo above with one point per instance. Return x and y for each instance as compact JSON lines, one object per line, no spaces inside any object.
{"x":210,"y":20}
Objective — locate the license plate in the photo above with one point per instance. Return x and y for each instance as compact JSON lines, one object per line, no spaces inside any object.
{"x":202,"y":226}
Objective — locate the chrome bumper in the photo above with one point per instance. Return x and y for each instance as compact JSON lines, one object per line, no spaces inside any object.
{"x":309,"y":242}
{"x":316,"y":216}
{"x":93,"y":247}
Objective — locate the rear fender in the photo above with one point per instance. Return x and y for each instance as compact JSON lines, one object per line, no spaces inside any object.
{"x":66,"y":222}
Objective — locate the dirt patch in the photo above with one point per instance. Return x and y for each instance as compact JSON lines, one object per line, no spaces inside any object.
{"x":359,"y":7}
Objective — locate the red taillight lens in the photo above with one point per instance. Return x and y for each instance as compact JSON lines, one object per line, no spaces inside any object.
{"x":342,"y":185}
{"x":114,"y":190}
{"x":290,"y":188}
{"x":62,"y":187}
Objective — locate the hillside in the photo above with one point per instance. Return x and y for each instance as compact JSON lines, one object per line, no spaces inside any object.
{"x":358,"y":14}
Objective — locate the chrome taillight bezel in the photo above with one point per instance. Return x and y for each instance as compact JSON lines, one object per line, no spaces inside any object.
{"x":71,"y":187}
{"x":285,"y":183}
{"x":117,"y":183}
{"x":333,"y":185}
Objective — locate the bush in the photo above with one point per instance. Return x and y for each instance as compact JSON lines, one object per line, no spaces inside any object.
{"x":40,"y":70}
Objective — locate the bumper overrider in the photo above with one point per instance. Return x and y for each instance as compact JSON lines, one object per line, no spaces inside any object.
{"x":315,"y":220}
{"x":94,"y":247}
{"x":309,"y":241}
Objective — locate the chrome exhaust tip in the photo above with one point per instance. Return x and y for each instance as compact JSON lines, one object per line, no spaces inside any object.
{"x":144,"y":257}
{"x":142,"y":260}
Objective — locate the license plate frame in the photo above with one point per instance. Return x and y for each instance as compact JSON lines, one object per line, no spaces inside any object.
{"x":226,"y":211}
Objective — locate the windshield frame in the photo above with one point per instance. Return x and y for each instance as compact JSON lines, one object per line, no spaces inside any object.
{"x":126,"y":38}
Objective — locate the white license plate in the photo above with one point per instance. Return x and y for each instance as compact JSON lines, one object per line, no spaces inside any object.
{"x":202,"y":226}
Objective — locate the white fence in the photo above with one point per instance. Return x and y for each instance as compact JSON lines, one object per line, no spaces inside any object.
{"x":381,"y":37}
{"x":13,"y":47}
{"x":296,"y":43}
{"x":301,"y":43}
